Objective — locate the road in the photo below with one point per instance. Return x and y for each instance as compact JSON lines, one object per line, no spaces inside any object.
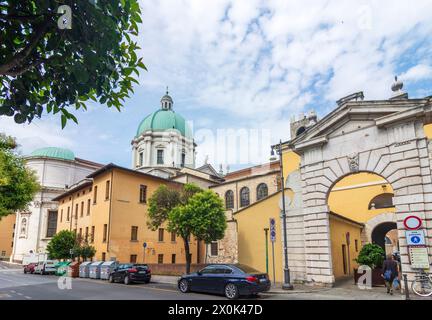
{"x":15,"y":285}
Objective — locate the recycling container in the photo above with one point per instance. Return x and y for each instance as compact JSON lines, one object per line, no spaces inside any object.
{"x":84,"y":269}
{"x":95,"y":269}
{"x":106,"y":269}
{"x":73,"y":269}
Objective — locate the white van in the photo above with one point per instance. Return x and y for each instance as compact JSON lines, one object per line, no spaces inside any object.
{"x":45,"y":267}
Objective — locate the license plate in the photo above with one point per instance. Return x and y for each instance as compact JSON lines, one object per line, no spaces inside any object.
{"x":142,"y":272}
{"x":263,"y":280}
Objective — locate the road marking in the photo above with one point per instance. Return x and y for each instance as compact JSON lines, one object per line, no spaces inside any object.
{"x":13,"y":291}
{"x":4,"y":295}
{"x":27,"y":297}
{"x":20,"y":294}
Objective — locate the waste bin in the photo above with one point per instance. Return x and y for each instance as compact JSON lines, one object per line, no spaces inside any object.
{"x":95,"y":268}
{"x":61,"y":268}
{"x":106,"y":269}
{"x":73,"y":269}
{"x":84,"y":269}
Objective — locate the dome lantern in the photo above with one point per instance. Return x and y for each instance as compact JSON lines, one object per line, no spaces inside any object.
{"x":166,"y":101}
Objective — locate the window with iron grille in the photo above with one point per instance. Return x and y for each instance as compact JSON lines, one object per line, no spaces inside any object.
{"x":160,"y":258}
{"x":143,"y":194}
{"x":214,"y":248}
{"x":229,"y":199}
{"x":133,"y":258}
{"x":244,"y":197}
{"x":262,"y":191}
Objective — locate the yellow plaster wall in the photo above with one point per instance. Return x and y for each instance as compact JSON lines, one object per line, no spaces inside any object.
{"x":353,"y":202}
{"x":251,"y":236}
{"x":338,"y":230}
{"x":6,"y":235}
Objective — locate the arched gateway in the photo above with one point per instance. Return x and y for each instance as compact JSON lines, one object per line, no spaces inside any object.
{"x":381,"y":137}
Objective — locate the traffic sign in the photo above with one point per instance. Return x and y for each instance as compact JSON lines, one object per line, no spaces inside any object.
{"x":412,"y":223}
{"x":145,"y":244}
{"x":415,"y":238}
{"x":272,"y":230}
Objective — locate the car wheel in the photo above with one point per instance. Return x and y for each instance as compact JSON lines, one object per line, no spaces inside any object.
{"x":126,"y":280}
{"x":111,"y":279}
{"x":25,"y":271}
{"x":184,"y":286}
{"x":231,"y":291}
{"x":147,"y":281}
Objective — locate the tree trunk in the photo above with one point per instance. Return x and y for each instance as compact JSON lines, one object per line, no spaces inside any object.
{"x":187,"y":253}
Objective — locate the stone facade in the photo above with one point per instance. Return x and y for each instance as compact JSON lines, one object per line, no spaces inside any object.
{"x":381,"y":137}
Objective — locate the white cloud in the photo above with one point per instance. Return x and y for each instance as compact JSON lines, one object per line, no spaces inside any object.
{"x":417,"y":73}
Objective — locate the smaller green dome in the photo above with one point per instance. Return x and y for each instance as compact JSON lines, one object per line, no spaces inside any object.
{"x":53,"y":152}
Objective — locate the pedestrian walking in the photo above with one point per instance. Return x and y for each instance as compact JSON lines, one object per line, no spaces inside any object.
{"x":390,"y":271}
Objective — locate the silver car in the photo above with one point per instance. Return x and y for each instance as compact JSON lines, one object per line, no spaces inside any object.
{"x":45,"y":267}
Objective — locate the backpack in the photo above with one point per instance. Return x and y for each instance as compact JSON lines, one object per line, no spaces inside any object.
{"x":387,"y":275}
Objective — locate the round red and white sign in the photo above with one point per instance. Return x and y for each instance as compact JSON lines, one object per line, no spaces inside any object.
{"x":412,"y":223}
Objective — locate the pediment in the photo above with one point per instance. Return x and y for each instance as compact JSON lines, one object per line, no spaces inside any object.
{"x":354,"y":116}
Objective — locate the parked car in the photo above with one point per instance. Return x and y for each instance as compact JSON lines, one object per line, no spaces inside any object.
{"x":45,"y":267}
{"x":231,"y":280}
{"x":130,"y":272}
{"x":30,"y":268}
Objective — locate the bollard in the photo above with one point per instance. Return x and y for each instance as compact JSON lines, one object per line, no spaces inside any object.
{"x":407,"y":297}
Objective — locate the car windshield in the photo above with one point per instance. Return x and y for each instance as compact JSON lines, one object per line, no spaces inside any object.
{"x":246,"y":269}
{"x":141,"y":266}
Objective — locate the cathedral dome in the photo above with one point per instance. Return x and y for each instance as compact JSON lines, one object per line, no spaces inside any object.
{"x":53,"y":152}
{"x":165,"y":119}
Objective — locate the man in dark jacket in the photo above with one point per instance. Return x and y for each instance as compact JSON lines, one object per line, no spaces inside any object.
{"x":390,"y":271}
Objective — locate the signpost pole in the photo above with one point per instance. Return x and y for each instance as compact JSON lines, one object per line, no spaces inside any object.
{"x":274,"y":273}
{"x":266,"y":247}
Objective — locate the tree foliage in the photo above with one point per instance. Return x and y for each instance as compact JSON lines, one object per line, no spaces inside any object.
{"x":371,"y":255}
{"x":18,"y":184}
{"x":60,"y":245}
{"x":190,"y":211}
{"x":44,"y":68}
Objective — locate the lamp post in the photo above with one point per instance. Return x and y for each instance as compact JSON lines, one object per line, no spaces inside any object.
{"x":287,"y":280}
{"x":266,"y":247}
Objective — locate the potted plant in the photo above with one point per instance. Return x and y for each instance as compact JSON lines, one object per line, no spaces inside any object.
{"x":371,"y":255}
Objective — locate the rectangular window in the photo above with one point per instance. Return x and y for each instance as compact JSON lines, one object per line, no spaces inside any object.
{"x":86,"y":234}
{"x":88,"y":207}
{"x":82,"y":209}
{"x":161,"y":235}
{"x":92,"y":236}
{"x":356,"y":245}
{"x":103,"y":256}
{"x":141,"y":159}
{"x":173,"y":236}
{"x":105,"y":231}
{"x":134,"y":233}
{"x":68,"y":214}
{"x":214,"y":250}
{"x":80,"y":234}
{"x":3,"y":253}
{"x":76,"y":211}
{"x":95,"y":195}
{"x":52,"y":224}
{"x":61,"y":215}
{"x":133,"y":258}
{"x":143,"y":194}
{"x":107,"y":190}
{"x":183,"y":159}
{"x":160,"y":258}
{"x":160,"y":157}
{"x":173,"y":258}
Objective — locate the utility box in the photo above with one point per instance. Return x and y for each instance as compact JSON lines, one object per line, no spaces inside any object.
{"x":73,"y":269}
{"x":84,"y":269}
{"x":95,"y":269}
{"x":106,"y":269}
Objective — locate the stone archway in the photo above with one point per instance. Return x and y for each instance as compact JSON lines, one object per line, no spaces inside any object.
{"x":373,"y":223}
{"x":379,"y":233}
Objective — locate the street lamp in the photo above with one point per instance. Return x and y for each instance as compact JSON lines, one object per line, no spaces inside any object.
{"x":287,"y":280}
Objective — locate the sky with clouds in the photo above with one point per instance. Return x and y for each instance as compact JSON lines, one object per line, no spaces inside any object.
{"x":239,"y":70}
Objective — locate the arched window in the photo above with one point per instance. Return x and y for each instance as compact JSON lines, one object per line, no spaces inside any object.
{"x":229,"y":199}
{"x":384,"y":200}
{"x":262,"y":191}
{"x":244,"y":197}
{"x":300,"y":131}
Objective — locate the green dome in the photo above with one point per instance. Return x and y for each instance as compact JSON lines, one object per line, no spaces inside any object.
{"x":53,"y":152}
{"x":164,"y":119}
